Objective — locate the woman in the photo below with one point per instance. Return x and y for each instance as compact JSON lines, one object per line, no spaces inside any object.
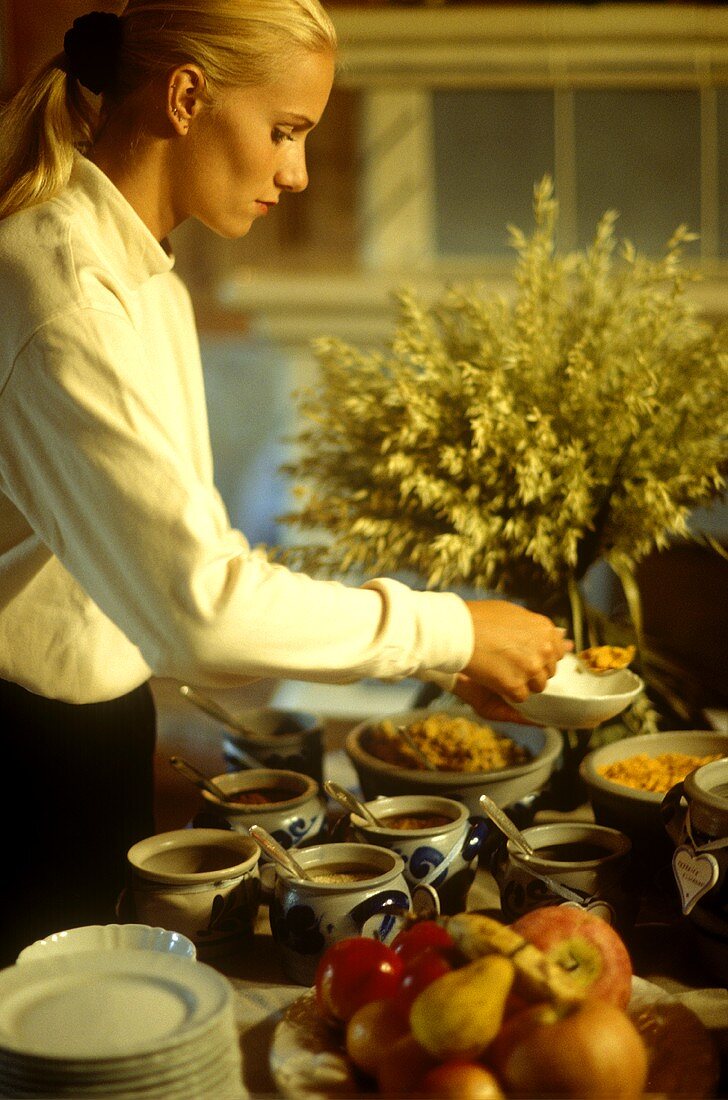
{"x":117,"y":558}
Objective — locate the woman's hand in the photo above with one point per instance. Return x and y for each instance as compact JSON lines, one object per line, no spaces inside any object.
{"x":488,"y":704}
{"x":515,"y":654}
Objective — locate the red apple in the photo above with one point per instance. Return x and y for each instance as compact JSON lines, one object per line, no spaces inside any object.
{"x":585,"y":946}
{"x":423,"y":935}
{"x":592,"y":1052}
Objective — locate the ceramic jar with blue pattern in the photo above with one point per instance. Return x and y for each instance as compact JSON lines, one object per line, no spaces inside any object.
{"x":355,"y":890}
{"x":279,"y":738}
{"x":202,"y":883}
{"x":436,"y":838}
{"x":695,"y":815}
{"x":573,"y":863}
{"x":289,"y":805}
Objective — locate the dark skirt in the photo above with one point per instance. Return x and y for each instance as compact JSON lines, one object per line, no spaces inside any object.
{"x":78,"y":792}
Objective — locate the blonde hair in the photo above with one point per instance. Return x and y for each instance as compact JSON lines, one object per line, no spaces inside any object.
{"x":235,"y":43}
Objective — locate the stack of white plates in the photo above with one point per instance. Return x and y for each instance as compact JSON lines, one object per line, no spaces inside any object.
{"x":110,"y":937}
{"x":122,"y":1023}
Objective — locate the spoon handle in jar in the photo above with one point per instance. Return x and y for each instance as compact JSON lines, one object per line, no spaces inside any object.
{"x":504,"y":823}
{"x":349,"y":801}
{"x":214,"y":710}
{"x":190,"y":772}
{"x":211,"y":708}
{"x":277,"y":852}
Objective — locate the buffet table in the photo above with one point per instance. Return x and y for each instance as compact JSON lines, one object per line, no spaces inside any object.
{"x":661,"y":944}
{"x":660,"y":948}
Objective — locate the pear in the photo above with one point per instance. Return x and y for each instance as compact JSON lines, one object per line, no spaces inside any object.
{"x":460,"y":1013}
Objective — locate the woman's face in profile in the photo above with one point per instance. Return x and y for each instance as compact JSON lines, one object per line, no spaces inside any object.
{"x":248,"y":146}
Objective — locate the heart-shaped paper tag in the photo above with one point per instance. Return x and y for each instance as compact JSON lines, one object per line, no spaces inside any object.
{"x":695,"y":874}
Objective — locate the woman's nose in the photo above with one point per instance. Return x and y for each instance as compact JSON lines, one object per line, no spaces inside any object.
{"x":292,"y":175}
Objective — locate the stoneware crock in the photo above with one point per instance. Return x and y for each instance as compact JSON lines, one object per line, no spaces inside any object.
{"x":203,"y":883}
{"x":695,"y":815}
{"x":602,"y":882}
{"x":291,"y":740}
{"x":306,"y":917}
{"x":296,"y":820}
{"x":443,"y":856}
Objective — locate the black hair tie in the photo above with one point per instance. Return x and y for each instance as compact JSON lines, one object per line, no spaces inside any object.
{"x":92,"y":49}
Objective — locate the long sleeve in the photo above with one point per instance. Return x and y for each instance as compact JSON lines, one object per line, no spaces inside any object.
{"x":117,"y":557}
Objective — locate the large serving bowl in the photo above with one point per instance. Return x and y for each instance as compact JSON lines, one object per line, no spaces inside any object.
{"x":505,"y":786}
{"x":575,"y":698}
{"x":637,"y":812}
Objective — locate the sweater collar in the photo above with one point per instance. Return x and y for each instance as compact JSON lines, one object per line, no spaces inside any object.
{"x":130,"y":246}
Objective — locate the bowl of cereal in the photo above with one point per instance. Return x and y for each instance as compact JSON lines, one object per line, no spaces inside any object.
{"x":468,"y":756}
{"x":581,"y":696}
{"x":627,"y":780}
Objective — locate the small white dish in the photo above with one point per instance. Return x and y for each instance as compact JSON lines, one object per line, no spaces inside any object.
{"x":575,"y":698}
{"x":109,"y":937}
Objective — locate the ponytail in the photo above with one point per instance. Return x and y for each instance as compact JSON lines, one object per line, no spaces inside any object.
{"x":39,"y":129}
{"x":235,"y":42}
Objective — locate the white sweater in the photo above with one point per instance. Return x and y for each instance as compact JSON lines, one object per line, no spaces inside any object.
{"x":117,"y":558}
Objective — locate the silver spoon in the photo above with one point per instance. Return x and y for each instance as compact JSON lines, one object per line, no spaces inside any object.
{"x":412,"y":744}
{"x":350,"y":802}
{"x":278,"y":853}
{"x":214,"y":710}
{"x":506,"y":826}
{"x":504,"y":823}
{"x":189,"y":771}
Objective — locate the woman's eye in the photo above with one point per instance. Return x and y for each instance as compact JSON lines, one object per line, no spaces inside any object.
{"x":281,"y":135}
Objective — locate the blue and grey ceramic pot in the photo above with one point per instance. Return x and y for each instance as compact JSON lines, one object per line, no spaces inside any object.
{"x":288,"y":805}
{"x":288,"y":739}
{"x":436,"y":837}
{"x":357,"y":890}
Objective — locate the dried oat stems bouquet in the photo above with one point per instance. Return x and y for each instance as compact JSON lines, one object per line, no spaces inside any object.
{"x":508,"y":443}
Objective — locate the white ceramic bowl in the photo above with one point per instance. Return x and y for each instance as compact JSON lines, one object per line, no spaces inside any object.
{"x":109,"y":937}
{"x":637,"y":812}
{"x":575,"y":698}
{"x":504,"y":785}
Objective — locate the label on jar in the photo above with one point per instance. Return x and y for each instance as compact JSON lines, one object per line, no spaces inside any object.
{"x":695,"y":873}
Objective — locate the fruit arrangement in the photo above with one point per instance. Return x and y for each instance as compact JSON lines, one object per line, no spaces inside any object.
{"x":470,"y":1008}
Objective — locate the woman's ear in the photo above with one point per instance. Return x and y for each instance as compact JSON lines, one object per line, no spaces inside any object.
{"x":185,"y":96}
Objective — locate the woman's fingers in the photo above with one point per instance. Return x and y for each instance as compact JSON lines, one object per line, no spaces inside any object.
{"x":516,"y":651}
{"x":487,"y":703}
